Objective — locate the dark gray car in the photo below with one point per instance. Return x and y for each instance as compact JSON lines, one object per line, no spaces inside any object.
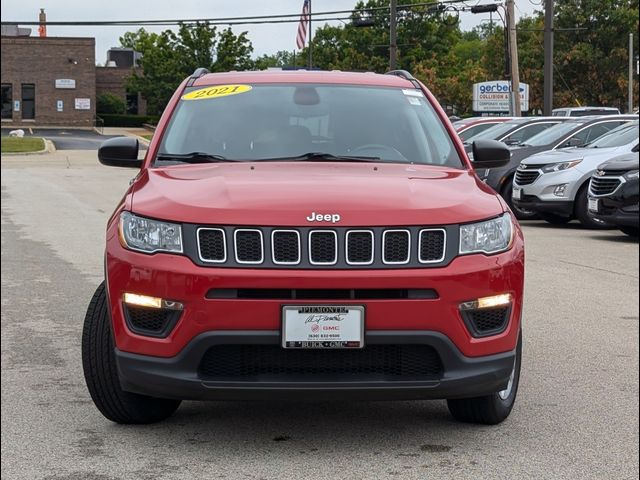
{"x":515,"y":131}
{"x":574,"y":132}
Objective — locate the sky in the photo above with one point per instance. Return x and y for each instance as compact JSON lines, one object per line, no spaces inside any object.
{"x":266,"y":39}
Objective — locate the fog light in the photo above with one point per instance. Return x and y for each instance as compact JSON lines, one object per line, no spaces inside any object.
{"x":501,"y":300}
{"x":151,"y":302}
{"x":559,"y":190}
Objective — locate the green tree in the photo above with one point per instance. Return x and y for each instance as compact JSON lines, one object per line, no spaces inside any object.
{"x":169,"y":57}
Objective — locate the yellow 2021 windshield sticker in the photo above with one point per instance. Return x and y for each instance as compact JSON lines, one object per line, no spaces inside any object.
{"x":216,"y":91}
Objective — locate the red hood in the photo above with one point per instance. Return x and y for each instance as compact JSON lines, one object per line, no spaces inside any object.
{"x":285,"y":194}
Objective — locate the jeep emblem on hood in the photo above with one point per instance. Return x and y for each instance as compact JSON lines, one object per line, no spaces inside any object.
{"x":323,"y":217}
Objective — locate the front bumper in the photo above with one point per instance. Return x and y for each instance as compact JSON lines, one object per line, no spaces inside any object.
{"x":178,"y":377}
{"x":621,"y":207}
{"x":176,"y":277}
{"x":617,"y":215}
{"x":529,"y":202}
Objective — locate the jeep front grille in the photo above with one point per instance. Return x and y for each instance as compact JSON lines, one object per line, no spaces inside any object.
{"x":300,"y":247}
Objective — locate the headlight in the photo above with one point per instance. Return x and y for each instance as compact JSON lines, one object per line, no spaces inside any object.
{"x":147,"y":235}
{"x":558,"y":167}
{"x":490,"y":236}
{"x":632,"y":175}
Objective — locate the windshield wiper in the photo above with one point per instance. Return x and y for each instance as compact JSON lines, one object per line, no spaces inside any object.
{"x":321,"y":157}
{"x":193,"y":157}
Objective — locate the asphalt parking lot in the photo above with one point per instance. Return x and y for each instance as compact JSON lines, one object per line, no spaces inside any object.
{"x":576,"y":416}
{"x":67,"y":139}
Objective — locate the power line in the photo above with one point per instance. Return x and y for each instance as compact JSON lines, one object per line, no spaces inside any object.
{"x":253,"y":20}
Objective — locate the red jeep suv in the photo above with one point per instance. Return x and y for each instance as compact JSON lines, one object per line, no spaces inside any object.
{"x":306,"y":235}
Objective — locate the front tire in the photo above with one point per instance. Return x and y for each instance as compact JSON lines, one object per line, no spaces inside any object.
{"x":490,"y":409}
{"x":101,"y":373}
{"x":520,"y":213}
{"x":582,"y":211}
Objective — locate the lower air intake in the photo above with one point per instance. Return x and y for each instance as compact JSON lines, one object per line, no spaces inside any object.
{"x":272,"y":362}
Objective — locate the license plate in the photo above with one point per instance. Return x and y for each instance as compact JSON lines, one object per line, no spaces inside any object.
{"x":593,"y":204}
{"x":517,"y":194}
{"x":322,"y":326}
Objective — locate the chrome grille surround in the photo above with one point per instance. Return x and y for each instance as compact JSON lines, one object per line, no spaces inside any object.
{"x":372,"y":245}
{"x":273,"y":247}
{"x":421,"y":245}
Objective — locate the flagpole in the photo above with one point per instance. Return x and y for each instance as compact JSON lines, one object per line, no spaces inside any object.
{"x":310,"y":38}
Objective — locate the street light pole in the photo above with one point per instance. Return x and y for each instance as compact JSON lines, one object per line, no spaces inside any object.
{"x":548,"y":57}
{"x":516,"y":109}
{"x":630,"y":72}
{"x":393,"y":36}
{"x":310,"y":39}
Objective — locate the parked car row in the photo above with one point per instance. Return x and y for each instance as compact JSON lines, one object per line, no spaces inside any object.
{"x":555,"y":183}
{"x":553,"y":160}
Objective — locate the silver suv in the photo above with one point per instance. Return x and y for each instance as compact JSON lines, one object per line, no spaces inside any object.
{"x":555,"y":183}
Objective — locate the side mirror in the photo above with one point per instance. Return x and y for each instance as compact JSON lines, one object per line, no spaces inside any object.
{"x":490,"y":154}
{"x":120,"y":152}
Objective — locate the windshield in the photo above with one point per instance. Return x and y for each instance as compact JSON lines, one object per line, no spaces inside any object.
{"x":292,"y":121}
{"x":618,"y":137}
{"x":475,"y":130}
{"x":495,"y":132}
{"x":553,"y":134}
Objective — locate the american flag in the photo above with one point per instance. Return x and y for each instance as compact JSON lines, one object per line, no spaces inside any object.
{"x":301,"y":38}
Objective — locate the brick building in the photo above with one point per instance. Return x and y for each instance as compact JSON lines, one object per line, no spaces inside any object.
{"x":113,"y":78}
{"x":48,"y":81}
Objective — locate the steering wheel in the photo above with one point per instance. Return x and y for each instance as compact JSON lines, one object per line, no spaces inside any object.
{"x":377,"y":147}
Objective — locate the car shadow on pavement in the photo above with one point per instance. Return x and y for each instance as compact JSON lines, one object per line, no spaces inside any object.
{"x":410,"y":428}
{"x":573,"y":225}
{"x":621,"y":238}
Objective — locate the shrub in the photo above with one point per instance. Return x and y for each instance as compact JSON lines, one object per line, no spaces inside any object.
{"x":110,"y":103}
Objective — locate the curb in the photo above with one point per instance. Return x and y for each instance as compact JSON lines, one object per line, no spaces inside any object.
{"x":49,"y":147}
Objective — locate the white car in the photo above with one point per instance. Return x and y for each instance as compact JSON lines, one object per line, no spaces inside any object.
{"x":555,"y":183}
{"x":584,"y":111}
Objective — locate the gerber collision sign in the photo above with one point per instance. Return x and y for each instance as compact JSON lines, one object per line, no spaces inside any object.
{"x":494,"y":96}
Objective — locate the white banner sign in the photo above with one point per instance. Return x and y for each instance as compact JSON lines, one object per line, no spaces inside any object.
{"x":83,"y":104}
{"x":494,"y":96}
{"x":65,"y":83}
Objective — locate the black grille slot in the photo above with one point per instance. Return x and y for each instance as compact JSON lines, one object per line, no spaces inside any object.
{"x":248,"y":245}
{"x":360,"y":247}
{"x":487,"y":321}
{"x":152,"y":322}
{"x":286,"y":247}
{"x":322,"y":294}
{"x":396,"y":246}
{"x":272,"y":362}
{"x":432,"y":245}
{"x":323,"y":247}
{"x":212,"y":247}
{"x":604,"y":185}
{"x":526,"y":177}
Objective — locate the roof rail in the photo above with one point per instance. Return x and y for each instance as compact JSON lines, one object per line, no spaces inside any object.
{"x":199,"y":72}
{"x":406,"y":75}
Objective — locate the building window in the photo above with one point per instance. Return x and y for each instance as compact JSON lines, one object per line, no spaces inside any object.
{"x":132,"y":103}
{"x":7,"y":101}
{"x":28,"y":101}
